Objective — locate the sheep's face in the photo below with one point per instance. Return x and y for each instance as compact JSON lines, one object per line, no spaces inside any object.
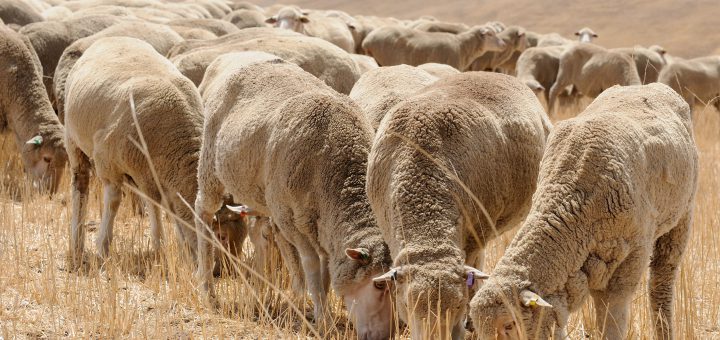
{"x":432,"y":301}
{"x":230,"y":229}
{"x":44,"y":162}
{"x":586,"y":35}
{"x":493,"y":43}
{"x":289,"y":18}
{"x":496,"y":316}
{"x":368,"y":302}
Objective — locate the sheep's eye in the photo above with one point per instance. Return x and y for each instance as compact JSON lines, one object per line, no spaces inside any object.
{"x":379,"y":285}
{"x":47,"y":159}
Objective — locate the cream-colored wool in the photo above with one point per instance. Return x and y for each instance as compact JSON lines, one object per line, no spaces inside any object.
{"x":314,"y":24}
{"x":696,"y":80}
{"x":288,"y":146}
{"x":364,"y":63}
{"x":615,"y":194}
{"x":241,"y":36}
{"x":515,"y":41}
{"x":648,"y":62}
{"x":26,"y":111}
{"x":537,"y":67}
{"x":439,"y":70}
{"x":593,"y":69}
{"x":19,"y":12}
{"x":377,"y":91}
{"x":245,"y":18}
{"x":99,"y":126}
{"x":395,"y":45}
{"x":489,"y":130}
{"x":215,"y":26}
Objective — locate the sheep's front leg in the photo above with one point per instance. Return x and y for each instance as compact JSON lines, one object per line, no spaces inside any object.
{"x":666,"y":259}
{"x":112,"y":195}
{"x":311,"y":265}
{"x":612,"y":305}
{"x":156,"y":231}
{"x":80,"y":169}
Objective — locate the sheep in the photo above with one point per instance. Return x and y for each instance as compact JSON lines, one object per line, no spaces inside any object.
{"x":537,"y":67}
{"x":696,"y":80}
{"x":18,"y":12}
{"x":240,"y":5}
{"x":477,"y":130}
{"x":26,"y":110}
{"x":586,"y":35}
{"x":615,"y":194}
{"x":552,"y":39}
{"x":56,"y":13}
{"x":438,"y":70}
{"x":244,"y":18}
{"x":592,"y":69}
{"x":318,"y":57}
{"x":262,"y":233}
{"x":439,"y":26}
{"x":649,"y":62}
{"x":241,"y":36}
{"x":50,"y":38}
{"x":331,"y":29}
{"x":189,"y":33}
{"x":160,"y":37}
{"x":515,"y":41}
{"x":377,"y":91}
{"x":99,"y":126}
{"x":365,"y":24}
{"x":364,"y":63}
{"x":394,"y":45}
{"x":272,"y":115}
{"x":216,"y":26}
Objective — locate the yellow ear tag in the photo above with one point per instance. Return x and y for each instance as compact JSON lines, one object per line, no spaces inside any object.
{"x":533,"y":303}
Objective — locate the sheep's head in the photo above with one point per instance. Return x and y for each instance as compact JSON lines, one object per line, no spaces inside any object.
{"x":586,"y":35}
{"x":44,"y":158}
{"x":515,"y":37}
{"x":291,"y":18}
{"x":368,"y":302}
{"x":231,"y":227}
{"x":491,"y":42}
{"x":432,"y":300}
{"x":503,"y":313}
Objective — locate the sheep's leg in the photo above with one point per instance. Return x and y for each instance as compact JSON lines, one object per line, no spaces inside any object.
{"x":555,"y":89}
{"x":291,"y":259}
{"x":666,"y":259}
{"x":311,"y":264}
{"x":112,"y":195}
{"x":80,"y":169}
{"x":612,"y":305}
{"x":208,"y":201}
{"x":325,"y":273}
{"x":156,"y":231}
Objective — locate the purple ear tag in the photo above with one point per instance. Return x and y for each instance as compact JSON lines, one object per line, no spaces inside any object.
{"x":470,"y":279}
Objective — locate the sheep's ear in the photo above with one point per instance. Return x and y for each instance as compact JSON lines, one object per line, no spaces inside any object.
{"x":37,"y":140}
{"x":393,"y":274}
{"x":361,"y":255}
{"x":472,"y":276}
{"x":595,"y":35}
{"x":521,"y":33}
{"x":271,"y":20}
{"x":241,"y":210}
{"x":304,"y":19}
{"x":351,"y":27}
{"x":577,"y":33}
{"x":532,"y":300}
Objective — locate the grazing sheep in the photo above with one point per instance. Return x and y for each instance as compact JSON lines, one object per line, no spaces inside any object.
{"x":316,"y":56}
{"x":364,"y":63}
{"x":26,"y":110}
{"x":648,"y":62}
{"x":50,"y":38}
{"x":586,"y":35}
{"x":332,"y":29}
{"x":515,"y":41}
{"x":18,"y":12}
{"x":215,"y":26}
{"x":395,"y":45}
{"x":592,"y":69}
{"x":377,"y":91}
{"x":99,"y":125}
{"x":241,"y":36}
{"x":537,"y":67}
{"x":439,"y":70}
{"x":365,"y":24}
{"x":244,"y":18}
{"x":162,"y":38}
{"x":439,"y":26}
{"x":615,"y":194}
{"x":478,"y":130}
{"x":304,"y":151}
{"x":696,"y":80}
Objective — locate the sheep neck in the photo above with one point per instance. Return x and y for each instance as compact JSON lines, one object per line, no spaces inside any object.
{"x":471,"y":48}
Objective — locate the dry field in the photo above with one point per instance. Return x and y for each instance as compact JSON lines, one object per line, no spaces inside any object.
{"x":142,"y":294}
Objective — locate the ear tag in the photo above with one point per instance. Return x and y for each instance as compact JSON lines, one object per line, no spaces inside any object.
{"x":364,"y":256}
{"x":394,"y":275}
{"x":533,"y":303}
{"x":470,"y":279}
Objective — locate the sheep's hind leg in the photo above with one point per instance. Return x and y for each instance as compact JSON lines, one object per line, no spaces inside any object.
{"x":666,"y":259}
{"x":612,"y":305}
{"x":80,"y":170}
{"x":112,"y":196}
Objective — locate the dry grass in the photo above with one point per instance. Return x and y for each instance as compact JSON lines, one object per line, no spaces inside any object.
{"x":140,"y":294}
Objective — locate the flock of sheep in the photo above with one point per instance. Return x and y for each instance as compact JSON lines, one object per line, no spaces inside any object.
{"x":384,"y":183}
